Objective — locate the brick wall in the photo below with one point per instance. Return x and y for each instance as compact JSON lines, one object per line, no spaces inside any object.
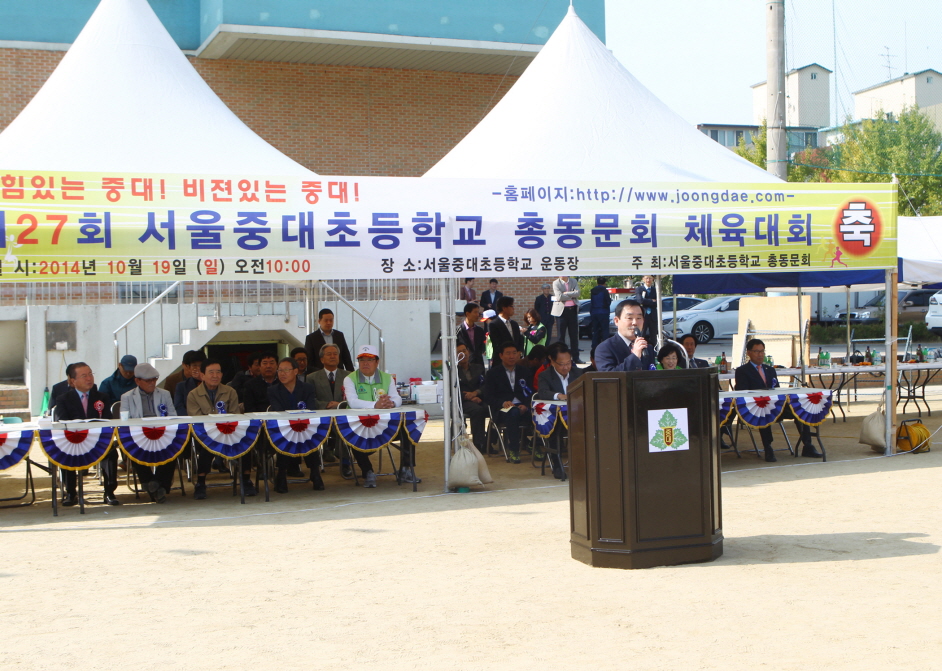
{"x":333,"y":120}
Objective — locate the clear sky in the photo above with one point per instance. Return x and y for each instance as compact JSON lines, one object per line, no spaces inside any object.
{"x":701,"y":56}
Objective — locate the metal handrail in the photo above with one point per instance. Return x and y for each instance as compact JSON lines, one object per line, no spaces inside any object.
{"x":379,"y":331}
{"x":157,"y":299}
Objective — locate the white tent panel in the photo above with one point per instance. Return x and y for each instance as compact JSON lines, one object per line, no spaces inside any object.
{"x":125,"y":99}
{"x":577,"y":113}
{"x":920,"y":248}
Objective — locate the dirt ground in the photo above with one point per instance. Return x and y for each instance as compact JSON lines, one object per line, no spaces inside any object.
{"x":826,"y":565}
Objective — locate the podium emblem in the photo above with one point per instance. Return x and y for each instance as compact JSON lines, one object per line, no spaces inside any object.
{"x":667,"y":430}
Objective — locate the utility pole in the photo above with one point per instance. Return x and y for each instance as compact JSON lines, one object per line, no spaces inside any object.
{"x":777,"y":152}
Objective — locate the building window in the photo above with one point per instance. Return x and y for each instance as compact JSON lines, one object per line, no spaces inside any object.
{"x":739,"y":135}
{"x":929,"y":79}
{"x":814,"y":75}
{"x":715,"y":134}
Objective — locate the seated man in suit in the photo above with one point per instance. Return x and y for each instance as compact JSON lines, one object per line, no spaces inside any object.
{"x":328,"y":387}
{"x":627,"y":349}
{"x":471,"y":335}
{"x":690,"y":346}
{"x":502,"y":329}
{"x":290,"y":393}
{"x":553,"y":386}
{"x":207,"y":399}
{"x":507,"y":391}
{"x":326,"y":334}
{"x":470,"y":383}
{"x":756,"y":375}
{"x":369,"y":387}
{"x":84,"y":402}
{"x":148,"y":400}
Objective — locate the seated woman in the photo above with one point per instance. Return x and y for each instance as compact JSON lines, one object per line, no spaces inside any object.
{"x":534,"y":333}
{"x":668,"y":356}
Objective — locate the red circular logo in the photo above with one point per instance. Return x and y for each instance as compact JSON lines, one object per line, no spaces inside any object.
{"x":226,"y":428}
{"x":299,"y":425}
{"x":76,"y":437}
{"x":369,"y":421}
{"x":858,"y":228}
{"x":153,"y":432}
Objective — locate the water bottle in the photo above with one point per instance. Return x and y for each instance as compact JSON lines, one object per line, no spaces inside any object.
{"x":877,"y":358}
{"x":827,"y":360}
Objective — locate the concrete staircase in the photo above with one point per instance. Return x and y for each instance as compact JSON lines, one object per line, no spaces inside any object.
{"x":14,"y":401}
{"x":241,"y":319}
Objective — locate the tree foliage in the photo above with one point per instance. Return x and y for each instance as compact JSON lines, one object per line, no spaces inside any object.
{"x":873,"y":150}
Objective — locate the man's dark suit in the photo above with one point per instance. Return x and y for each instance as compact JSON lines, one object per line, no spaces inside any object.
{"x":747,"y":377}
{"x":255,"y":397}
{"x":69,"y":406}
{"x":497,"y":390}
{"x":281,"y":400}
{"x":474,"y":341}
{"x":489,"y":303}
{"x":471,"y":379}
{"x":695,"y":363}
{"x":548,"y":386}
{"x":648,"y":299}
{"x":544,"y":305}
{"x":315,"y":341}
{"x":499,"y":335}
{"x":614,"y":355}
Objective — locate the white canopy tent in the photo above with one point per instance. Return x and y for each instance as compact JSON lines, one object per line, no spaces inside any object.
{"x":125,"y":99}
{"x":577,"y":113}
{"x":920,"y":248}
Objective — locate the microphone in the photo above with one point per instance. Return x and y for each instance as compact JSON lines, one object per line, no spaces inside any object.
{"x":637,"y":332}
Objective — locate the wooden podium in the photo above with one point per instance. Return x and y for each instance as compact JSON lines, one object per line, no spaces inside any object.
{"x":644,"y":468}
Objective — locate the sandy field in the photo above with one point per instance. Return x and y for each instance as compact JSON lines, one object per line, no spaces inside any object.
{"x":826,"y":565}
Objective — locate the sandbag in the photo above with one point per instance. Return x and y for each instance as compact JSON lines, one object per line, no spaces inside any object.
{"x":484,"y":473}
{"x":873,"y":429}
{"x":463,"y":469}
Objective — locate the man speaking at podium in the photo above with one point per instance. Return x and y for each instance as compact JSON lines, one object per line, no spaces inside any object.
{"x":626,"y":350}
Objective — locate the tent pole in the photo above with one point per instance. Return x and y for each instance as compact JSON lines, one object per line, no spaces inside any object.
{"x":801,"y":337}
{"x":446,"y":308}
{"x":890,"y":320}
{"x":660,"y":312}
{"x":847,"y":316}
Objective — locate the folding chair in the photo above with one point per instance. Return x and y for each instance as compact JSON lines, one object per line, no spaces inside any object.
{"x":755,"y":447}
{"x":494,"y":427}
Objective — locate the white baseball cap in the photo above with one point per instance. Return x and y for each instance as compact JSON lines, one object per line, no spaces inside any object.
{"x":368,"y":350}
{"x":488,"y":314}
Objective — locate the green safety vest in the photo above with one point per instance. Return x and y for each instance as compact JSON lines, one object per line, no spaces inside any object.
{"x":367,"y":391}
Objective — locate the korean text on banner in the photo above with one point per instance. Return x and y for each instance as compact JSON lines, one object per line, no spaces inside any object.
{"x":97,"y":227}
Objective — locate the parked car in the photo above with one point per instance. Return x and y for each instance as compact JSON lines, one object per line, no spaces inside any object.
{"x":913,"y":305}
{"x":667,"y":307}
{"x":934,"y":315}
{"x":712,"y":318}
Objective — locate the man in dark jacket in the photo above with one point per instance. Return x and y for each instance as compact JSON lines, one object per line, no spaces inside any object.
{"x":646,"y":295}
{"x":553,"y":385}
{"x":326,"y":333}
{"x":756,"y":375}
{"x":84,"y":402}
{"x":599,"y":310}
{"x":627,"y":349}
{"x":502,"y":329}
{"x":471,"y":335}
{"x":490,"y":297}
{"x":121,"y":380}
{"x":290,"y":393}
{"x":470,"y":382}
{"x":506,"y":390}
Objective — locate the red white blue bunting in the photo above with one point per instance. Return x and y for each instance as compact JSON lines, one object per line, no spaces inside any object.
{"x":153,"y":445}
{"x":298,"y":437}
{"x":229,"y":440}
{"x":14,"y":446}
{"x":725,"y":409}
{"x":544,"y":418}
{"x":76,"y":450}
{"x":760,"y":411}
{"x":811,"y":408}
{"x":414,"y":424}
{"x":368,"y":433}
